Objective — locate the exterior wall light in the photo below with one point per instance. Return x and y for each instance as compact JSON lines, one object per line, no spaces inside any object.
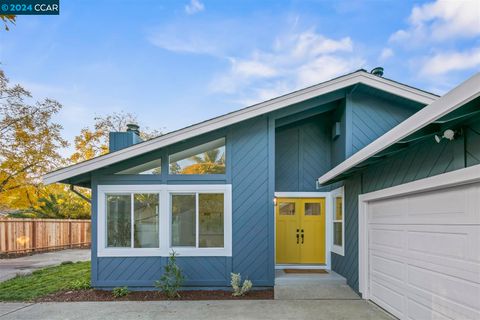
{"x":447,"y":134}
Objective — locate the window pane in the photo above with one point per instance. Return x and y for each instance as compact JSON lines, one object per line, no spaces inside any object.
{"x":183,"y":220}
{"x":287,"y":208}
{"x":337,"y":233}
{"x":118,"y":220}
{"x":312,"y":209}
{"x":152,"y":167}
{"x":208,"y":158}
{"x":338,"y":208}
{"x":145,"y":215}
{"x":211,"y":220}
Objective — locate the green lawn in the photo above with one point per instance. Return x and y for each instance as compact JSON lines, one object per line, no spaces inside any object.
{"x":49,"y":280}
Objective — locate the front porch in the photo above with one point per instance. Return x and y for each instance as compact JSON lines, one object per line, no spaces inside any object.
{"x":312,"y":286}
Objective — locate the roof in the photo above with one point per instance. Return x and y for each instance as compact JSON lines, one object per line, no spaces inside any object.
{"x":357,"y":77}
{"x":450,"y":109}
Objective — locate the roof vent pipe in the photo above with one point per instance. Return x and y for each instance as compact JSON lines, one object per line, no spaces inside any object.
{"x":378,"y":71}
{"x":134,"y":128}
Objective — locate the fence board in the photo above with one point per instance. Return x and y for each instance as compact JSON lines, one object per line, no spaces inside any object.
{"x":27,"y":235}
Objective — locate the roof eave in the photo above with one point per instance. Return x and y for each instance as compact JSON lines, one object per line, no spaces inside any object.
{"x":460,"y":95}
{"x":339,"y":83}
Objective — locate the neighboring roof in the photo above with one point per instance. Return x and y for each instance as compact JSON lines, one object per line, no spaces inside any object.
{"x":357,"y":77}
{"x":421,"y":124}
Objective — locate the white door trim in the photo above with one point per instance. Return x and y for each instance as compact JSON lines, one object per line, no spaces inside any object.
{"x":442,"y":181}
{"x":328,"y":221}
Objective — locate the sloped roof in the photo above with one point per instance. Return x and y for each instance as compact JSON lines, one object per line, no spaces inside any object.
{"x":453,"y":108}
{"x":357,"y":77}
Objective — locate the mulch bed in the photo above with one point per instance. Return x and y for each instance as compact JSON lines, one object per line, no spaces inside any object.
{"x":101,"y":295}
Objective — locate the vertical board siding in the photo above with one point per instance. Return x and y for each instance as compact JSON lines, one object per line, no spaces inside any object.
{"x":302,"y":154}
{"x":372,"y":117}
{"x":250,"y":195}
{"x":424,"y":159}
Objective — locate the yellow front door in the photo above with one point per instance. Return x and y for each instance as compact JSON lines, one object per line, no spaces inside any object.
{"x":300,"y":236}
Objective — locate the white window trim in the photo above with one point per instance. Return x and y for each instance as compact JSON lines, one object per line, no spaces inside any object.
{"x":340,"y":250}
{"x":164,"y":248}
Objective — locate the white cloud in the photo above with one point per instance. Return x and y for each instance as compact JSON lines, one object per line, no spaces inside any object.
{"x":439,"y":21}
{"x":443,"y":63}
{"x":294,"y":61}
{"x":194,"y":6}
{"x":386,"y":54}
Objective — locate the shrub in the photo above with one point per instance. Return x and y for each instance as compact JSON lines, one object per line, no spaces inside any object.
{"x":172,"y":279}
{"x":80,"y":284}
{"x":235,"y":282}
{"x":120,"y":292}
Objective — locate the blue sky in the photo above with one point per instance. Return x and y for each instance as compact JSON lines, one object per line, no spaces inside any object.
{"x":174,"y":63}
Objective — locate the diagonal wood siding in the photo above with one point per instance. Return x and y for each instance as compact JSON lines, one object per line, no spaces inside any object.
{"x":422,"y":160}
{"x":252,"y":251}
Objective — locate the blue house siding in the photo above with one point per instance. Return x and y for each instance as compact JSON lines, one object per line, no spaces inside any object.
{"x":302,"y":154}
{"x":252,"y":223}
{"x":371,"y":117}
{"x":424,"y":159}
{"x":248,"y":166}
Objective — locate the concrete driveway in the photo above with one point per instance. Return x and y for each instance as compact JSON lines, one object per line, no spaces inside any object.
{"x":9,"y":268}
{"x":198,"y":310}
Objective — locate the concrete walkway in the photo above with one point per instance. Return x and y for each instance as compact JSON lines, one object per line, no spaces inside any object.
{"x":9,"y":268}
{"x":198,"y":310}
{"x":313,"y":286}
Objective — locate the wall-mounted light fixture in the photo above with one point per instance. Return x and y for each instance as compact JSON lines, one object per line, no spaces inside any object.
{"x":448,"y":134}
{"x":274,"y":201}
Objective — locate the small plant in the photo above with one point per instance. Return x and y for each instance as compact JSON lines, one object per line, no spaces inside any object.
{"x":236,"y":281}
{"x":80,"y":284}
{"x":119,"y":292}
{"x":172,"y":279}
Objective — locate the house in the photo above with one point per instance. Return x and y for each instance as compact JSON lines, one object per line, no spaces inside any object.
{"x":371,"y":178}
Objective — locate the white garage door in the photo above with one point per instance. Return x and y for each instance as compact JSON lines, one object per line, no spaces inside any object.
{"x":424,"y":254}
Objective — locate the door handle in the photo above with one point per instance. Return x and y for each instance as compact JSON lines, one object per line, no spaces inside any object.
{"x":297,"y":237}
{"x":303,"y":238}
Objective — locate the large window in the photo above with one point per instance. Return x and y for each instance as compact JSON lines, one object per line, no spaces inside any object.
{"x":143,"y":232}
{"x":136,"y":220}
{"x":207,"y":158}
{"x":338,"y":221}
{"x":197,"y":220}
{"x":151,"y":167}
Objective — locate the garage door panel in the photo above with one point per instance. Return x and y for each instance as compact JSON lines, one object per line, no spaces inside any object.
{"x":389,"y":267}
{"x":424,"y":254}
{"x":391,"y":211}
{"x":421,"y":309}
{"x":391,"y":300}
{"x":445,"y":286}
{"x":460,"y":242}
{"x":391,"y":238}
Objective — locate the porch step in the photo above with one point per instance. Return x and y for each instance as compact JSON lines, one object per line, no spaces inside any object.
{"x":329,"y":286}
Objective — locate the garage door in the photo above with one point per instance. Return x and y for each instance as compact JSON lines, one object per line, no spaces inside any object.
{"x":424,"y":254}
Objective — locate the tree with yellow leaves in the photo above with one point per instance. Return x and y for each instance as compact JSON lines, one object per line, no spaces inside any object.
{"x":93,"y":142}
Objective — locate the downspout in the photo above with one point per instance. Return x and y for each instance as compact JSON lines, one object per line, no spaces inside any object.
{"x":72,"y":188}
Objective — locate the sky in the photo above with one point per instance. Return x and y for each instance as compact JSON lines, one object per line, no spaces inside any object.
{"x":175,"y":63}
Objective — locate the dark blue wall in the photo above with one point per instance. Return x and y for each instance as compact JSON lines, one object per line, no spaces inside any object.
{"x":302,"y":153}
{"x":369,"y":117}
{"x":421,"y":160}
{"x":248,"y":168}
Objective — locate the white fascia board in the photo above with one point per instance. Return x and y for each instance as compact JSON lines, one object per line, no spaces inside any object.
{"x":457,"y":97}
{"x":241,"y":115}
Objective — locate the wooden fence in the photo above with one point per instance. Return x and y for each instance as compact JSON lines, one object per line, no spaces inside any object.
{"x":26,"y":235}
